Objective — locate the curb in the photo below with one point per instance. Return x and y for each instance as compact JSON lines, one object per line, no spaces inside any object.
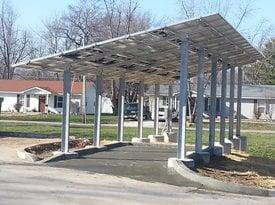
{"x":22,"y":154}
{"x":210,"y":183}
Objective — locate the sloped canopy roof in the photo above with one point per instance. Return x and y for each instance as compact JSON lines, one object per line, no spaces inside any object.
{"x":153,"y":55}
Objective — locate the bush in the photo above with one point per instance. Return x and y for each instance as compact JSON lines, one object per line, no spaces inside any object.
{"x":18,"y":106}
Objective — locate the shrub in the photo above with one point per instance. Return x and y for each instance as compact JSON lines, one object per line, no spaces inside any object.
{"x":17,"y":106}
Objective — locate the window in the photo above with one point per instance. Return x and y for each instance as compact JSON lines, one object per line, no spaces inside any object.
{"x":28,"y":100}
{"x":206,"y":104}
{"x":218,"y":105}
{"x":58,"y":101}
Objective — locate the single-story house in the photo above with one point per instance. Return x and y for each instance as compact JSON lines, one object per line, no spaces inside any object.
{"x":258,"y":101}
{"x":47,"y":96}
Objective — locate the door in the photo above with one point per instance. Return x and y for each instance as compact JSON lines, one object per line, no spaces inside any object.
{"x":42,"y":103}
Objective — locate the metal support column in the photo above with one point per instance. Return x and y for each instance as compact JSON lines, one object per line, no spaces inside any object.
{"x":200,"y":100}
{"x":213,"y":103}
{"x":121,"y":101}
{"x":83,"y":101}
{"x":66,"y":110}
{"x":223,"y":102}
{"x":239,"y":102}
{"x":98,"y":104}
{"x":231,"y":103}
{"x":183,"y":99}
{"x":170,"y":107}
{"x":156,"y":110}
{"x":140,"y":109}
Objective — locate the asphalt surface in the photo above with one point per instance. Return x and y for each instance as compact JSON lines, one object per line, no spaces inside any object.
{"x":141,"y":162}
{"x":43,"y":185}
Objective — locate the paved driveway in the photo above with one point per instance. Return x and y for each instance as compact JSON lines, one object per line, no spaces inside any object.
{"x":141,"y":162}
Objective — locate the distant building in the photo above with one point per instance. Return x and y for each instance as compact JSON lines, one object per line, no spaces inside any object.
{"x":47,"y":96}
{"x":258,"y":101}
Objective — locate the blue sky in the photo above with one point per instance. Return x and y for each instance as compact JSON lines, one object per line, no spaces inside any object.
{"x":33,"y":12}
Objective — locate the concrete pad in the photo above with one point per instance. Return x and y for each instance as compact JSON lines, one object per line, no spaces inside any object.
{"x":140,"y":140}
{"x":227,"y":146}
{"x":243,"y":144}
{"x":156,"y":138}
{"x":187,"y":162}
{"x":236,"y":141}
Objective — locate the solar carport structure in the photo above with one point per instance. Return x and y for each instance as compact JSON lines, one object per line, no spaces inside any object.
{"x":160,"y":56}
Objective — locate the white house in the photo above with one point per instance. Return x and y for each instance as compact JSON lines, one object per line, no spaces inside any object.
{"x":258,"y":101}
{"x":47,"y":96}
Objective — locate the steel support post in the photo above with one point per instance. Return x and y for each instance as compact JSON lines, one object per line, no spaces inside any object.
{"x":231,"y":103}
{"x":183,"y":99}
{"x":83,"y":101}
{"x":66,"y":111}
{"x":98,"y":104}
{"x":170,"y":108}
{"x":121,"y":101}
{"x":140,"y":109}
{"x":200,"y":100}
{"x":239,"y":102}
{"x":213,"y":103}
{"x":156,"y":110}
{"x":223,"y":102}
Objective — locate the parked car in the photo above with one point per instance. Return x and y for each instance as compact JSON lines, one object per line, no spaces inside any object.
{"x":131,"y":111}
{"x":163,"y":112}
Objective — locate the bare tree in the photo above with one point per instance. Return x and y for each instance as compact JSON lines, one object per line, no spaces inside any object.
{"x":14,"y":43}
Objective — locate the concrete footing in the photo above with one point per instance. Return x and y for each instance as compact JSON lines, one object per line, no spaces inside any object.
{"x":218,"y":150}
{"x":170,"y":137}
{"x":201,"y":157}
{"x":240,"y":143}
{"x":243,"y":144}
{"x":156,"y":138}
{"x":236,"y":141}
{"x":140,"y":140}
{"x":187,"y":162}
{"x":227,"y":146}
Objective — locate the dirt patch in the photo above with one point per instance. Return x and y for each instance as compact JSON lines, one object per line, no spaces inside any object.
{"x":46,"y":150}
{"x":242,"y":169}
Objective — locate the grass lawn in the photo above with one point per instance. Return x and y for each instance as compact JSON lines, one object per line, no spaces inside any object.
{"x":260,"y":145}
{"x":105,"y":118}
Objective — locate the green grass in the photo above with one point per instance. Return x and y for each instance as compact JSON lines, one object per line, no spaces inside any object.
{"x":105,"y":118}
{"x":260,"y":145}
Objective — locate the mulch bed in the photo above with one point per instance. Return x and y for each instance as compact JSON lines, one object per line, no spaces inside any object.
{"x":242,"y":169}
{"x":46,"y":150}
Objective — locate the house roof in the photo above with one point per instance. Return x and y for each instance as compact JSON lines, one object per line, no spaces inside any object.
{"x":154,"y":55}
{"x":18,"y":86}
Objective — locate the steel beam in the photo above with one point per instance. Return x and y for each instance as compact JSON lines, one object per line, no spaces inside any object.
{"x":170,"y":108}
{"x":200,"y":100}
{"x":83,"y":101}
{"x":156,"y":110}
{"x":239,"y":102}
{"x":231,"y":103}
{"x":121,"y":101}
{"x":66,"y":110}
{"x":223,"y":102}
{"x":98,"y":104}
{"x":140,"y":109}
{"x":213,"y":104}
{"x":183,"y":99}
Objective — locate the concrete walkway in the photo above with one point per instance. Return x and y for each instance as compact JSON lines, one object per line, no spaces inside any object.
{"x":146,"y":124}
